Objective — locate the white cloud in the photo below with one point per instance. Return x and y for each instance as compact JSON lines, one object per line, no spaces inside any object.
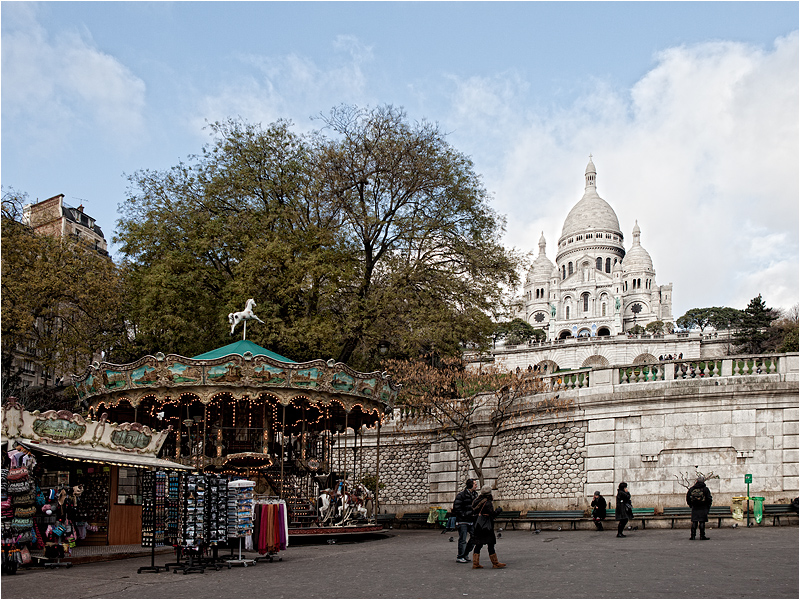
{"x":56,"y":86}
{"x":702,"y":150}
{"x":290,"y":86}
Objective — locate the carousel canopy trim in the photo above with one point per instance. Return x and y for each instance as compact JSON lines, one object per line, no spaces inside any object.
{"x":103,"y":456}
{"x":240,"y":348}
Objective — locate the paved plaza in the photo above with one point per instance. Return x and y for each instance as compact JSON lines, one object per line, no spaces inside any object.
{"x":660,"y":563}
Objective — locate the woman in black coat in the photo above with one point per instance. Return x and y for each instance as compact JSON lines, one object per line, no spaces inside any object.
{"x":624,"y":510}
{"x":485,"y":512}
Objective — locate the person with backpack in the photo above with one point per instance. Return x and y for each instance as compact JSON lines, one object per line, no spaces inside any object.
{"x":465,"y":520}
{"x":698,"y":497}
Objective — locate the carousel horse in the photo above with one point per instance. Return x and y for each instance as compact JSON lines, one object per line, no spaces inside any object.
{"x":235,"y":318}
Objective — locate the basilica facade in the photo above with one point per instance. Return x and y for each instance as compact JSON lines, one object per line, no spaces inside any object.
{"x":595,"y":288}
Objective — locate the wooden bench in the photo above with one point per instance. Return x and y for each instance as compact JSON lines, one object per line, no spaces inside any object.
{"x":684,"y":512}
{"x":416,"y":518}
{"x":776,"y":511}
{"x":544,"y":516}
{"x":386,"y":519}
{"x":644,"y":514}
{"x":509,"y":516}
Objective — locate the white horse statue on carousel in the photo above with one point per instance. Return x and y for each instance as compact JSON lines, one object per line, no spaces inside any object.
{"x":247,"y":314}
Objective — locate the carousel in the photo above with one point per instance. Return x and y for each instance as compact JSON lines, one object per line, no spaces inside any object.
{"x":296,"y":429}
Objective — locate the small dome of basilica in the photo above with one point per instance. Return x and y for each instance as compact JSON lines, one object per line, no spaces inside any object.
{"x":637,"y":259}
{"x":542,"y":267}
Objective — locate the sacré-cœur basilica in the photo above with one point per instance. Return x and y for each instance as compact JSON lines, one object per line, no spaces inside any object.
{"x":596,"y":288}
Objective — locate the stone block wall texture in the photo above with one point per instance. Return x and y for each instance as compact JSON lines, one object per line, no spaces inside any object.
{"x":542,"y":462}
{"x":404,"y":470}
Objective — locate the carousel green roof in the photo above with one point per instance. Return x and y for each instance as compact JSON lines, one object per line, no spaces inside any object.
{"x":240,"y":348}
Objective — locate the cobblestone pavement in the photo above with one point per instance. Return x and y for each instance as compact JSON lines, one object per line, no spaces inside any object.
{"x":659,"y":563}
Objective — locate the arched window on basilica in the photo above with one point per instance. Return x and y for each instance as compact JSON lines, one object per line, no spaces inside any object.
{"x":599,"y":264}
{"x":569,"y":268}
{"x":608,"y":265}
{"x":585,"y":298}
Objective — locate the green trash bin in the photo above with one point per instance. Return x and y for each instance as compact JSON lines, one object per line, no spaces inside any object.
{"x":442,"y":517}
{"x":758,"y":507}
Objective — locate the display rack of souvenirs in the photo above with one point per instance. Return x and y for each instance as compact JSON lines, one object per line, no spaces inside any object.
{"x":94,"y":505}
{"x":154,"y":514}
{"x":240,"y":515}
{"x":172,"y":507}
{"x":18,"y":509}
{"x":270,"y":526}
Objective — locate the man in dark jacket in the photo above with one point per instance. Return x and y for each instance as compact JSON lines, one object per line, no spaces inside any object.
{"x":699,"y":498}
{"x":465,"y":520}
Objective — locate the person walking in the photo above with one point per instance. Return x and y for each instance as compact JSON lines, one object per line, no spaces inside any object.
{"x":699,"y":498}
{"x":465,"y":520}
{"x":624,"y":510}
{"x":599,"y":505}
{"x":485,"y":514}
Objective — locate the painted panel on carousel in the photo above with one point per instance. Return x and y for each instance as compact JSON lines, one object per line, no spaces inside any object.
{"x":58,"y":429}
{"x":306,"y":378}
{"x":114,"y":380}
{"x":133,"y":440}
{"x":367,"y":387}
{"x":230,"y":372}
{"x":185,"y":373}
{"x":269,"y":374}
{"x":90,"y":384}
{"x":386,"y":392}
{"x":144,"y":375}
{"x":342,"y":382}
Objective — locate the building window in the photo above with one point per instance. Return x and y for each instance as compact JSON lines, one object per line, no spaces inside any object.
{"x":608,"y":265}
{"x":586,"y":302}
{"x":599,"y":264}
{"x":569,"y":268}
{"x":129,"y":486}
{"x":563,"y":272}
{"x":603,"y":306}
{"x":566,"y":312}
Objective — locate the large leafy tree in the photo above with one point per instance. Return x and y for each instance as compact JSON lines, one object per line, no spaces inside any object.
{"x":372,"y":229}
{"x":59,"y":298}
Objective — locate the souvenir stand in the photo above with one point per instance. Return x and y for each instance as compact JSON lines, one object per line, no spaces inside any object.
{"x":240,"y":516}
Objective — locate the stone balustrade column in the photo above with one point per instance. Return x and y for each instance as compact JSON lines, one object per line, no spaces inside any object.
{"x":727,"y":367}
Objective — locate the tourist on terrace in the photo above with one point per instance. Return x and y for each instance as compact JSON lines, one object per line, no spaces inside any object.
{"x":485,"y":514}
{"x":624,"y":511}
{"x":699,"y":498}
{"x":598,"y":510}
{"x":465,"y":519}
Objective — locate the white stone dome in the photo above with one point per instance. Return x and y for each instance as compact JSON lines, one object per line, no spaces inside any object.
{"x":637,"y":259}
{"x":542,"y":267}
{"x":591,"y":212}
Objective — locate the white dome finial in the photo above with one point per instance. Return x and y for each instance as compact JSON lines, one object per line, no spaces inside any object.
{"x":590,"y":173}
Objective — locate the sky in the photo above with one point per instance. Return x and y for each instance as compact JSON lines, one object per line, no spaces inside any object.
{"x":689,"y":109}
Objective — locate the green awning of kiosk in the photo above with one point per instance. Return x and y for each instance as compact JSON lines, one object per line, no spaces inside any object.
{"x":240,"y":348}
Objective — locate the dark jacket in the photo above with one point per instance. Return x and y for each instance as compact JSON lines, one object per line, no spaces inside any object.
{"x":599,"y":507}
{"x":699,"y":509}
{"x":482,"y":505}
{"x":624,"y":508}
{"x":462,"y":506}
